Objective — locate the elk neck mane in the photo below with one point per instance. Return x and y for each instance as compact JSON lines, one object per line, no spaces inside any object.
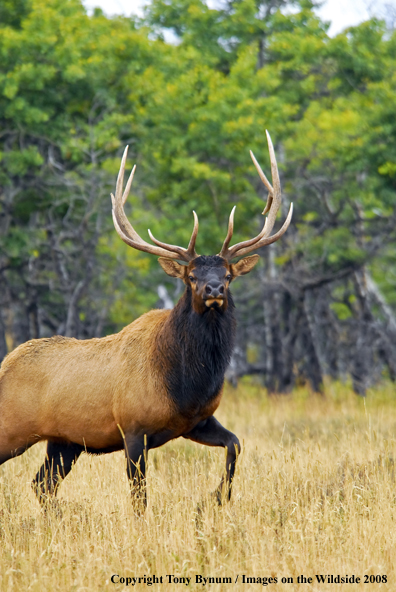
{"x":195,"y":350}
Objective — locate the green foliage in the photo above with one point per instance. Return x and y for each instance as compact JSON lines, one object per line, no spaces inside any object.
{"x":12,"y":12}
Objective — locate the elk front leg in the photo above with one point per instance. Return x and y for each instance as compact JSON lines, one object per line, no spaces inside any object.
{"x":136,"y":455}
{"x":211,"y":432}
{"x":58,"y":463}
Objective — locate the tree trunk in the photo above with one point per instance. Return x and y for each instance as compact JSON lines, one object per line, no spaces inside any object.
{"x":273,"y":341}
{"x":362,"y":359}
{"x":313,"y":367}
{"x":291,"y":309}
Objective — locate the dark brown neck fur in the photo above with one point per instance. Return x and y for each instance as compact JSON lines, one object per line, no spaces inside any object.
{"x":194,"y":351}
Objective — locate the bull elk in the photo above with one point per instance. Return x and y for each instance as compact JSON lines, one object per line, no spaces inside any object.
{"x":158,"y":379}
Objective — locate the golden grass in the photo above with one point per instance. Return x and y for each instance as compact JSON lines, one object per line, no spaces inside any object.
{"x":314,"y":493}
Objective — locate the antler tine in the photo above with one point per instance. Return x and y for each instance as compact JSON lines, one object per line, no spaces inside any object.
{"x":266,"y":183}
{"x":272,"y":207}
{"x":267,"y":240}
{"x":230,"y":232}
{"x":128,"y":185}
{"x":190,"y":251}
{"x":129,"y":235}
{"x":191,"y":244}
{"x":119,"y":201}
{"x":276,"y":192}
{"x":120,"y":177}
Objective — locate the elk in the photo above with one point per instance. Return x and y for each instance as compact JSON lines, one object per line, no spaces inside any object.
{"x":158,"y":379}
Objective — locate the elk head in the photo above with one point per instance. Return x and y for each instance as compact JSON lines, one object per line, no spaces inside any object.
{"x":207,"y":277}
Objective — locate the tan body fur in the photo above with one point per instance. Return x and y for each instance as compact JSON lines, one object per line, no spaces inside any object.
{"x":81,"y":391}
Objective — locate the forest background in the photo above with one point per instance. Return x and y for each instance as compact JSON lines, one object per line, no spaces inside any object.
{"x":76,"y":88}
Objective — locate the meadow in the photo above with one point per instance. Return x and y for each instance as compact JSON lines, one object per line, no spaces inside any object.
{"x":314,"y":494}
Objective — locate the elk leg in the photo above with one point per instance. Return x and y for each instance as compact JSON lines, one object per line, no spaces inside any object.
{"x":211,"y":432}
{"x":136,"y":455}
{"x":58,"y":463}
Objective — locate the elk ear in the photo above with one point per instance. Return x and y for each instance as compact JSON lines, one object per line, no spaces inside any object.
{"x":244,"y":265}
{"x":172,"y":268}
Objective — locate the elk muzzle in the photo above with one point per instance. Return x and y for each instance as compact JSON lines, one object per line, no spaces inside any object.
{"x":214,"y":293}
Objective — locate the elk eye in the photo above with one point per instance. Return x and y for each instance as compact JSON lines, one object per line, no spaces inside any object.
{"x":191,"y":278}
{"x":228,"y":277}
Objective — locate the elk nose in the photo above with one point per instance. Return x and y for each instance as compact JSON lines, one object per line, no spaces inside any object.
{"x":214,"y":289}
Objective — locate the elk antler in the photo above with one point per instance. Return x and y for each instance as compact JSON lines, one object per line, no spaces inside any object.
{"x":129,"y":234}
{"x":272,"y":207}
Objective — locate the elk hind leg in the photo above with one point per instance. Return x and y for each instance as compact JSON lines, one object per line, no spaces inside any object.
{"x":57,"y":465}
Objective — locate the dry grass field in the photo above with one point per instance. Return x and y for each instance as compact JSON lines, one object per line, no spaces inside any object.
{"x":314,"y":494}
